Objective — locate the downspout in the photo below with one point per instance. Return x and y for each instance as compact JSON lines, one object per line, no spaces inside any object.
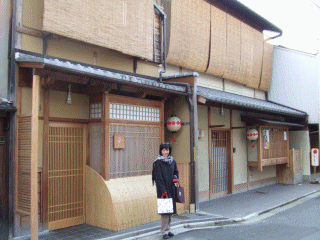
{"x":12,"y":97}
{"x":190,"y":100}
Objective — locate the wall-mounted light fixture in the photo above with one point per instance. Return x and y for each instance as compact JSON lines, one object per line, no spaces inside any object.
{"x":69,"y":94}
{"x":221,"y":111}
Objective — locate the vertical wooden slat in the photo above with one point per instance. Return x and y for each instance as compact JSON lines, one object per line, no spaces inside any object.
{"x":34,"y":155}
{"x":45,"y":158}
{"x":231,"y":167}
{"x":260,"y":148}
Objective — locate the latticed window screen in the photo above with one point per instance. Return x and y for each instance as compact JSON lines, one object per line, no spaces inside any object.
{"x":66,"y":173}
{"x":219,"y":161}
{"x":274,"y":143}
{"x":141,"y":148}
{"x":96,"y":110}
{"x":133,"y":112}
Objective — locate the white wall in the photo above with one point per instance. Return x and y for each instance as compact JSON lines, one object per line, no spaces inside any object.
{"x":5,"y":11}
{"x":295,"y":81}
{"x":300,"y":139}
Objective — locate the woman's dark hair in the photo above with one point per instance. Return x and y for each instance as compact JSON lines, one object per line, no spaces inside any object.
{"x":165,"y":145}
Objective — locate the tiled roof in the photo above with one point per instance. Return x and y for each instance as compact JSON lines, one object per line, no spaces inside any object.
{"x":95,"y":71}
{"x":249,"y":103}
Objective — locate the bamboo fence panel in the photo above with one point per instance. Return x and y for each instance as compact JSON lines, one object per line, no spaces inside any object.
{"x":125,"y":25}
{"x":24,"y":165}
{"x":233,"y":49}
{"x":189,"y":34}
{"x":218,"y":50}
{"x":266,"y":67}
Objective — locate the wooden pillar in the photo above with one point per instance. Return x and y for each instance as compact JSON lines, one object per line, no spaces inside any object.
{"x":105,"y":121}
{"x":34,"y":156}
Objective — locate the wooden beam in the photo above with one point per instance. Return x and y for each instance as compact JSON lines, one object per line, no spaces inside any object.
{"x":30,"y":31}
{"x":34,"y":155}
{"x":202,"y":99}
{"x":215,"y":126}
{"x":31,"y":65}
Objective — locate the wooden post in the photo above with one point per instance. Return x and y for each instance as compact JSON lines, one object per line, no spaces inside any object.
{"x":105,"y":121}
{"x":34,"y":156}
{"x":45,"y":173}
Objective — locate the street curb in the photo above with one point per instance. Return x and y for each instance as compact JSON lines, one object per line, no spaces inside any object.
{"x":200,"y":223}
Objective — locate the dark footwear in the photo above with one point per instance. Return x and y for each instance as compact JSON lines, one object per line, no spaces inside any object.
{"x":170,"y":234}
{"x":166,"y":236}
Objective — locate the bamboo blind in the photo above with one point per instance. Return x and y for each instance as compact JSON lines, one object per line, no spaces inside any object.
{"x":233,"y":49}
{"x":141,"y":146}
{"x":157,"y":38}
{"x":24,"y":165}
{"x":122,"y":25}
{"x":266,"y":67}
{"x":218,"y":50}
{"x":66,"y":174}
{"x":189,"y":34}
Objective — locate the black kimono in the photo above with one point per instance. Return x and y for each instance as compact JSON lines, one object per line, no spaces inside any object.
{"x":163,"y":174}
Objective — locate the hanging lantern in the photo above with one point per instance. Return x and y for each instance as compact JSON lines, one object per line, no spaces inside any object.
{"x":252,"y":134}
{"x":173,"y":123}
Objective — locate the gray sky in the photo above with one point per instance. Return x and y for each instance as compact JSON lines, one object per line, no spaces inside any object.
{"x":298,"y":19}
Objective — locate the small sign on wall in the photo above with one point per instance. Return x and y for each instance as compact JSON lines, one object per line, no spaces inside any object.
{"x":315,"y":157}
{"x":118,"y":140}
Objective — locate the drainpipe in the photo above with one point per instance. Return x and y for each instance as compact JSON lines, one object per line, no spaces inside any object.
{"x":11,"y":97}
{"x":191,"y":104}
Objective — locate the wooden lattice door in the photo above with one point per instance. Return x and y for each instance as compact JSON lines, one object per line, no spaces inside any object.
{"x":219,"y":163}
{"x":66,"y":162}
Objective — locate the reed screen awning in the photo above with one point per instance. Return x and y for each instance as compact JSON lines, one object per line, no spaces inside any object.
{"x":122,"y":25}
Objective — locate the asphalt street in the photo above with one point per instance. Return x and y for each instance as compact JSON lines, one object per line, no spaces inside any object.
{"x":299,"y":220}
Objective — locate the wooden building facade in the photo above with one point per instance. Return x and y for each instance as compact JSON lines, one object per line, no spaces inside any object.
{"x":93,"y":98}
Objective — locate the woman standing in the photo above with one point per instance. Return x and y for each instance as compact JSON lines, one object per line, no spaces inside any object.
{"x":165,"y":174}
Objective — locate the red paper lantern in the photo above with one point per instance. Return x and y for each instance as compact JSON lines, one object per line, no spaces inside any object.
{"x":252,"y":134}
{"x":173,"y":123}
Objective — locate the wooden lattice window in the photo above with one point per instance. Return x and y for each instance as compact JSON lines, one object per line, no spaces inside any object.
{"x":273,"y":146}
{"x":141,"y":148}
{"x":133,"y":112}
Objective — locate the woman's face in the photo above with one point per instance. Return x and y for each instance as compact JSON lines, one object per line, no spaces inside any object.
{"x":165,"y":152}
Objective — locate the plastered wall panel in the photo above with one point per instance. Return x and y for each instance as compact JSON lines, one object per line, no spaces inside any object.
{"x":240,"y":154}
{"x":32,"y":44}
{"x":203,"y":152}
{"x":218,"y":119}
{"x":238,"y":88}
{"x":79,"y":108}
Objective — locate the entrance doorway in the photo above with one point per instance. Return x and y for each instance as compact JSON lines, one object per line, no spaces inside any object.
{"x":220,"y":159}
{"x":66,"y":165}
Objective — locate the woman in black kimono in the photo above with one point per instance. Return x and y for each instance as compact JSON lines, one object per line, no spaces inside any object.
{"x":165,"y":174}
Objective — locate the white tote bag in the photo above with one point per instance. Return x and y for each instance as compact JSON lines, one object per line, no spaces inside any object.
{"x":165,"y":206}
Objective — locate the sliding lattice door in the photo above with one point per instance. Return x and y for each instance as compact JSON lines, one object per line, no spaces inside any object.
{"x":219,"y":162}
{"x":66,"y":175}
